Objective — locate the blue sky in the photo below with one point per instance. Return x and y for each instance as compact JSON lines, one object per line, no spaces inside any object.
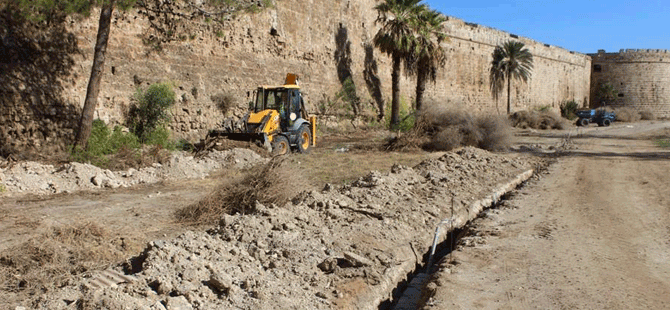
{"x":581,"y":26}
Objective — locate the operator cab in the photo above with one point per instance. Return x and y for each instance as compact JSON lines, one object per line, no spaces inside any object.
{"x":286,"y":100}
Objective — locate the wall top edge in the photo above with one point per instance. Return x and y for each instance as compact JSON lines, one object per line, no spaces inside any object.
{"x":511,"y":35}
{"x":630,"y":51}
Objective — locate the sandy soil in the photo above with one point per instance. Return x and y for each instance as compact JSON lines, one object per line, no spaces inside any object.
{"x":593,"y":233}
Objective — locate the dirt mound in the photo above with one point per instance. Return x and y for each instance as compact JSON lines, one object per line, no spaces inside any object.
{"x":36,"y":178}
{"x":538,"y":120}
{"x":442,"y":129}
{"x":326,"y":249}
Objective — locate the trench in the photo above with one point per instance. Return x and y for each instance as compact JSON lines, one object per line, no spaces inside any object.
{"x":407,"y":293}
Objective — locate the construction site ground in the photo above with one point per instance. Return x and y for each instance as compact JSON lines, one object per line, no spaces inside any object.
{"x":590,"y":232}
{"x":594,"y":233}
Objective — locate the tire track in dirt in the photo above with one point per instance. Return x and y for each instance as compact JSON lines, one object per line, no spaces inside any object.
{"x":590,"y":235}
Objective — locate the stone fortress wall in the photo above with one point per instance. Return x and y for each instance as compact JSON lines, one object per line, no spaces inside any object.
{"x":558,"y":75}
{"x":322,"y":41}
{"x":641,"y":78}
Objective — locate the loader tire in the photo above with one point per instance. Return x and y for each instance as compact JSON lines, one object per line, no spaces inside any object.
{"x":304,"y":139}
{"x":606,"y":122}
{"x":584,"y":122}
{"x":280,"y":146}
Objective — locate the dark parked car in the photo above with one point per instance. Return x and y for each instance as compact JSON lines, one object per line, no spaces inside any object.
{"x":599,"y":116}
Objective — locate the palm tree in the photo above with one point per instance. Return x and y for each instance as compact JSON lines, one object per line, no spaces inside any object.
{"x":497,"y":74}
{"x":396,"y":39}
{"x":429,"y":55}
{"x":510,"y":61}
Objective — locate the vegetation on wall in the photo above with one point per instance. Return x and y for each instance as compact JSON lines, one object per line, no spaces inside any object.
{"x":606,"y":93}
{"x":224,"y":102}
{"x":169,"y":20}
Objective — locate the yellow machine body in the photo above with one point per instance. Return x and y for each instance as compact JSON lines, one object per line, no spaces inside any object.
{"x":265,"y":122}
{"x":278,"y":119}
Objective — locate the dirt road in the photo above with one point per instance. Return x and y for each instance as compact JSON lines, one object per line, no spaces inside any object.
{"x":593,"y":233}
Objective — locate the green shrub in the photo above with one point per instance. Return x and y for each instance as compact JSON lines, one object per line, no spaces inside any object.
{"x":150,"y":111}
{"x":569,"y":109}
{"x":120,"y":139}
{"x":665,"y":143}
{"x":407,"y":121}
{"x":2,"y":188}
{"x":104,"y":142}
{"x":160,"y":136}
{"x":406,"y":115}
{"x":97,"y":143}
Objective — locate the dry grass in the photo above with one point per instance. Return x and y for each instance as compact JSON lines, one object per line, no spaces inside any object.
{"x":496,"y":133}
{"x":442,"y":129}
{"x":132,"y":158}
{"x":326,"y":165}
{"x":627,"y":114}
{"x":538,"y":120}
{"x":276,"y":182}
{"x":54,"y":257}
{"x":647,"y":115}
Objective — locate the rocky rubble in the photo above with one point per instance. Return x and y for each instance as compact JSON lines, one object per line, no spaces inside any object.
{"x":342,"y":247}
{"x":36,"y":178}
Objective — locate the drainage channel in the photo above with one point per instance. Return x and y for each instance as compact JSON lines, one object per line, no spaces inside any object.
{"x":407,"y":294}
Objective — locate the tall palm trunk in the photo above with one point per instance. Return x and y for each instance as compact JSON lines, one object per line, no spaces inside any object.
{"x":86,"y":120}
{"x":421,"y":78}
{"x":395,"y":89}
{"x":509,"y":87}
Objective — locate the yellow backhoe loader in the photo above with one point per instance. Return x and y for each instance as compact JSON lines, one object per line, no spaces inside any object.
{"x":277,"y":120}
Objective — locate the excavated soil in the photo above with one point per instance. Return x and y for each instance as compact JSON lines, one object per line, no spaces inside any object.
{"x":37,"y":178}
{"x":346,"y":246}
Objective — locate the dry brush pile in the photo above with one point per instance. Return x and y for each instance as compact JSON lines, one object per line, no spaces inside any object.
{"x":60,"y":255}
{"x":538,"y":120}
{"x":443,"y":129}
{"x":272,"y":183}
{"x":629,"y":115}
